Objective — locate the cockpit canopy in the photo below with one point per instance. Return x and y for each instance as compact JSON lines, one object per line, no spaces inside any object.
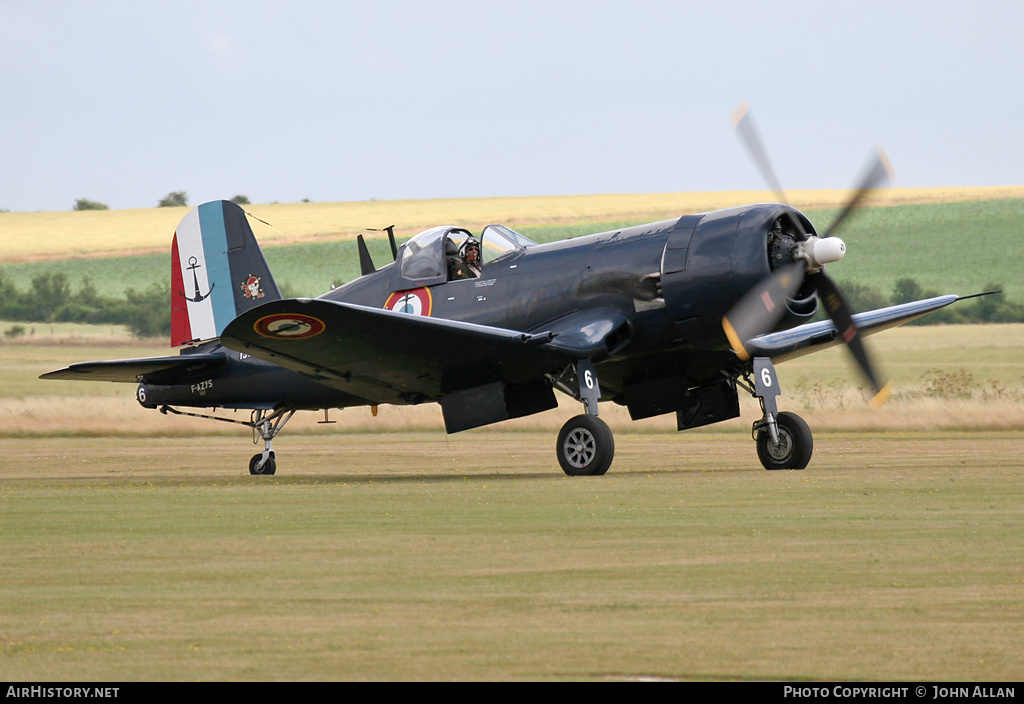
{"x":423,"y":259}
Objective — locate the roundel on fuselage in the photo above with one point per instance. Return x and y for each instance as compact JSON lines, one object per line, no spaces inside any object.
{"x":417,"y":301}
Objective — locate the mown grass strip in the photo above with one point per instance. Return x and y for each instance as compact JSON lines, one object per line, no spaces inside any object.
{"x":896,"y":557}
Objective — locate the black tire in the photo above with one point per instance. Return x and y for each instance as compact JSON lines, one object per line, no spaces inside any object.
{"x":269,"y":468}
{"x":585,"y":446}
{"x":794,"y":448}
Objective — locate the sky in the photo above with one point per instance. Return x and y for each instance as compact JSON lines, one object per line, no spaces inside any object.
{"x":125,"y":102}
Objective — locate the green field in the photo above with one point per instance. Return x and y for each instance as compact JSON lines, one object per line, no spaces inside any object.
{"x":949,"y":247}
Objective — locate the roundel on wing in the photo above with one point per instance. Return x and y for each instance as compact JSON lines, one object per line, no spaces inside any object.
{"x":415,"y":301}
{"x":289,"y":326}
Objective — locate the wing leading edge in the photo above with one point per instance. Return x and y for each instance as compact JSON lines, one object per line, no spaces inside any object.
{"x":804,"y":339}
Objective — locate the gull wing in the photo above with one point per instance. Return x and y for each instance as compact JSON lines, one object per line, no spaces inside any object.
{"x":391,"y":357}
{"x":804,"y":339}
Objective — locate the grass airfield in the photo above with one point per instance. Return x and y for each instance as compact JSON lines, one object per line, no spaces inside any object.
{"x":136,"y":546}
{"x":412,"y":556}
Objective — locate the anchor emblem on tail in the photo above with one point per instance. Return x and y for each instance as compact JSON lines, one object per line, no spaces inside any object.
{"x":193,"y":264}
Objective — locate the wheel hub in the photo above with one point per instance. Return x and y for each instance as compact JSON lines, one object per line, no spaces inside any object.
{"x":783,"y":448}
{"x":580,"y":448}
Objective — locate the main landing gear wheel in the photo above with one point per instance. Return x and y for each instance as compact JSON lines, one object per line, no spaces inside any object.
{"x":585,"y":446}
{"x":269,"y":467}
{"x":793,"y":450}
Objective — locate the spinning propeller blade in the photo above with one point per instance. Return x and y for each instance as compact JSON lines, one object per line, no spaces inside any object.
{"x":763,"y":306}
{"x":879,"y":170}
{"x":743,"y":123}
{"x":842,"y":316}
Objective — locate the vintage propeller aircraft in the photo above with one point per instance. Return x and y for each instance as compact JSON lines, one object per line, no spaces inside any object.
{"x":670,"y":317}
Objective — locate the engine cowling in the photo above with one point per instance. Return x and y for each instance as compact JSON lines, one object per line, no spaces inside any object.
{"x":712,"y":259}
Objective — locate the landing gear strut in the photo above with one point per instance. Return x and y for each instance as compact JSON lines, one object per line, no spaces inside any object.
{"x":783,"y":439}
{"x":264,"y":425}
{"x":585,"y":444}
{"x":267,"y":428}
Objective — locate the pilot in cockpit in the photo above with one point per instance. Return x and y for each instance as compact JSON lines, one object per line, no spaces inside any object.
{"x":466,"y":264}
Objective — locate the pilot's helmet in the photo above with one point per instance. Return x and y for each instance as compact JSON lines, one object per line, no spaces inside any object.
{"x":470,"y":243}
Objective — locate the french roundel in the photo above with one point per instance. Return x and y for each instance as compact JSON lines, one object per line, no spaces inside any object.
{"x":415,"y":301}
{"x":289,"y":326}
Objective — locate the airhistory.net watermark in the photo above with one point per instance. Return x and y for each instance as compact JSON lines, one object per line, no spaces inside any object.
{"x":63,"y":692}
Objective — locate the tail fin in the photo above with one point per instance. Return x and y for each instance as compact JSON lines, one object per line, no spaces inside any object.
{"x":217,"y":272}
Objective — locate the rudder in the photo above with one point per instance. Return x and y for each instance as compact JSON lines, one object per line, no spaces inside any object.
{"x":217,"y":272}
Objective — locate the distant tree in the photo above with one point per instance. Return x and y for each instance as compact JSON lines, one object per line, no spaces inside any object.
{"x":907,"y":290}
{"x":240,"y":200}
{"x":861,"y":297}
{"x":49,"y":291}
{"x":994,"y":308}
{"x":147,"y":313}
{"x":8,"y":291}
{"x":988,"y":306}
{"x":174,"y":199}
{"x":86,"y":204}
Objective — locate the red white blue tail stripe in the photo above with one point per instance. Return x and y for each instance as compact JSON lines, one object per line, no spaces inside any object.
{"x":216,"y":266}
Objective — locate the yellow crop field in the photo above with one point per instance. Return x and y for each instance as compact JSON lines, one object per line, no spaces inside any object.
{"x":59,"y":235}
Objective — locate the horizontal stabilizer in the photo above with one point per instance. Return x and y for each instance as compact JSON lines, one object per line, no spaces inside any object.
{"x":135,"y":370}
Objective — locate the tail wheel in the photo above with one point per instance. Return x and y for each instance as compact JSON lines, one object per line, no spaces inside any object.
{"x":585,"y":446}
{"x":269,"y":467}
{"x":795,"y":445}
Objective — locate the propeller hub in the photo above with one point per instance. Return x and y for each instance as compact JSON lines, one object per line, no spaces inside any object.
{"x":819,"y":251}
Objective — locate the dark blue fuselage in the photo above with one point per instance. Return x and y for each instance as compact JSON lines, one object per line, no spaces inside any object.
{"x":671,"y":281}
